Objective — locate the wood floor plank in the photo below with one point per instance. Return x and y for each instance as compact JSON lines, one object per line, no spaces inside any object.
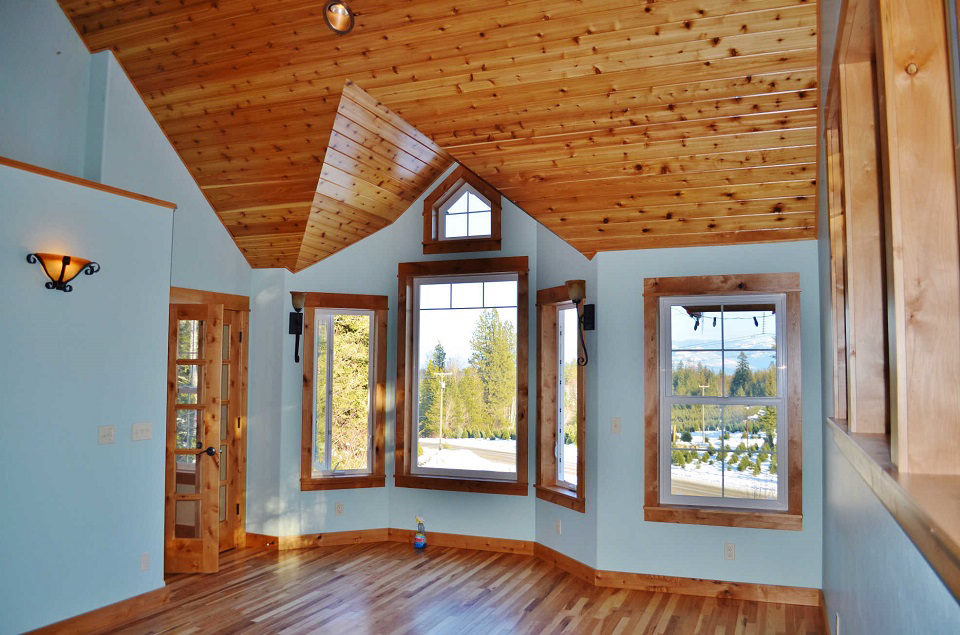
{"x":391,"y":588}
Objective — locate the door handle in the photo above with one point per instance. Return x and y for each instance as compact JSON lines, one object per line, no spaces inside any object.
{"x":211,"y":451}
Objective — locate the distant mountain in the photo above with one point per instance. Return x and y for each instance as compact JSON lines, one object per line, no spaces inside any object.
{"x":756,"y":341}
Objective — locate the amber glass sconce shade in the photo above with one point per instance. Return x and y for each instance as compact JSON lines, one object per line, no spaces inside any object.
{"x":62,"y":269}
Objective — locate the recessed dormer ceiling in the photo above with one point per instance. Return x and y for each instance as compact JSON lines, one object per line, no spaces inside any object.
{"x":617,"y":124}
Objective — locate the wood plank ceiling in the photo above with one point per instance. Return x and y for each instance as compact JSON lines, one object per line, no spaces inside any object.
{"x":618,"y":124}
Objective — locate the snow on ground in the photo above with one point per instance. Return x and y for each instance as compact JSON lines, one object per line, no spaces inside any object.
{"x":707,"y":480}
{"x":497,"y":455}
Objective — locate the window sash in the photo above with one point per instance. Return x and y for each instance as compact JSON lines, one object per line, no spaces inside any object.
{"x":668,"y":400}
{"x":457,"y":195}
{"x":324,"y":319}
{"x":561,"y":394}
{"x":414,"y":426}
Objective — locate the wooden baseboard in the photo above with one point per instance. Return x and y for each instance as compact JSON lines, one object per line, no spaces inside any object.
{"x":574,"y":567}
{"x":709,"y":588}
{"x":461,"y":541}
{"x":334,"y":539}
{"x":112,"y":615}
{"x":262,"y":541}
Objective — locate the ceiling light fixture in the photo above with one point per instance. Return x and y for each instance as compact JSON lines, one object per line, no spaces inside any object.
{"x":338,"y":16}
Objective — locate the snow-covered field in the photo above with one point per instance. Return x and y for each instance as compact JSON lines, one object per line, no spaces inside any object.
{"x":704,"y":479}
{"x":496,"y":455}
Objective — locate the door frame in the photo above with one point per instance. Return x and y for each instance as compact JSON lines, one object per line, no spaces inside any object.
{"x":241,"y":305}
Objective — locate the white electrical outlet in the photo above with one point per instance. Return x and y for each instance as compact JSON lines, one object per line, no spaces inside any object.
{"x":339,"y":509}
{"x":141,"y":431}
{"x":615,"y":425}
{"x":144,"y":561}
{"x":106,"y":435}
{"x":559,"y":527}
{"x":729,"y":551}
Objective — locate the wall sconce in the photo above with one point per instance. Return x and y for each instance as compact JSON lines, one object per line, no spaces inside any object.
{"x":586,"y":317}
{"x":62,"y":269}
{"x":338,"y":16}
{"x":296,"y":320}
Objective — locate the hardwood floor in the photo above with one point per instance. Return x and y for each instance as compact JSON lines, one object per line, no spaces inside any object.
{"x":391,"y":588}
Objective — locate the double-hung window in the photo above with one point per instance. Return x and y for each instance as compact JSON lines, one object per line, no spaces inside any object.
{"x":344,"y":373}
{"x":461,"y":419}
{"x":723,"y":375}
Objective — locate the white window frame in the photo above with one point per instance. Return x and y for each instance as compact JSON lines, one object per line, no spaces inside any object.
{"x":668,"y":400}
{"x":415,"y":391}
{"x":561,"y":392}
{"x":457,"y":195}
{"x":322,"y":468}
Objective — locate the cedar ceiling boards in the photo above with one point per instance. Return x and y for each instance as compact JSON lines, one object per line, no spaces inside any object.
{"x":617,"y":124}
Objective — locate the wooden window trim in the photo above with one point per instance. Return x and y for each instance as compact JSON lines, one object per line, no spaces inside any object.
{"x":379,"y":305}
{"x":547,"y":486}
{"x":406,"y":273}
{"x":432,"y":243}
{"x":654,"y":510}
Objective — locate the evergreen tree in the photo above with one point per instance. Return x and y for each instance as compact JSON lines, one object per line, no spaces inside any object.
{"x":494,"y":345}
{"x":742,"y":377}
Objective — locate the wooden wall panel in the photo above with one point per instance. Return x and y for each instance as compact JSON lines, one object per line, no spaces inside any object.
{"x":578,"y":110}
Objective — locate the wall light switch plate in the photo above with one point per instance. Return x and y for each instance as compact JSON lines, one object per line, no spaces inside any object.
{"x":559,"y":527}
{"x":106,"y":435}
{"x":145,"y":562}
{"x":729,"y":551}
{"x":615,"y":425}
{"x":142,"y":431}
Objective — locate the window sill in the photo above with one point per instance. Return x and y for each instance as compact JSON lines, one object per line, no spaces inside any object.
{"x":924,"y":505}
{"x":561,"y":496}
{"x":757,"y":519}
{"x":483,"y":486}
{"x":352,"y":481}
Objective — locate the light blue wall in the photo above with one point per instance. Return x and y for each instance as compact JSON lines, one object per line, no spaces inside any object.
{"x":76,"y":516}
{"x":44,"y":85}
{"x":873,"y":575}
{"x":625,"y":542}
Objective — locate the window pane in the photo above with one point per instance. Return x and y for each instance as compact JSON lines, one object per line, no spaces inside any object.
{"x":480,"y":224}
{"x":468,"y":295}
{"x":225,"y":343}
{"x":500,"y":294}
{"x":697,"y":373}
{"x":750,"y":326}
{"x":455,"y":226}
{"x":459,"y":206}
{"x":567,"y":468}
{"x":750,"y":462}
{"x":223,"y":503}
{"x":695,"y":327}
{"x":476,"y":204}
{"x":435,"y":296}
{"x":189,"y":334}
{"x":187,"y":519}
{"x":187,"y":435}
{"x":695,"y":451}
{"x":188,"y":474}
{"x":224,"y":418}
{"x":467,"y":385}
{"x":351,"y":392}
{"x":188,"y":384}
{"x":750,"y":373}
{"x":320,"y":396}
{"x":225,"y":382}
{"x":223,"y":462}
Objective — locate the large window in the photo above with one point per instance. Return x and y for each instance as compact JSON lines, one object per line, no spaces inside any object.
{"x":726,"y":386}
{"x":344,"y":368}
{"x":462,"y":374}
{"x":560,"y":412}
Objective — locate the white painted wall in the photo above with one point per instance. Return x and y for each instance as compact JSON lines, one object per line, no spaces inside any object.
{"x":76,"y":516}
{"x":625,"y":542}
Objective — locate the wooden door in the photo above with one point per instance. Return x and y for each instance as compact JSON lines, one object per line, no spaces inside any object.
{"x":231,"y":491}
{"x":192,"y":527}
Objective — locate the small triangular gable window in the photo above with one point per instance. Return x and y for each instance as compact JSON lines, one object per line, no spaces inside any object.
{"x":467,"y":215}
{"x":462,"y":214}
